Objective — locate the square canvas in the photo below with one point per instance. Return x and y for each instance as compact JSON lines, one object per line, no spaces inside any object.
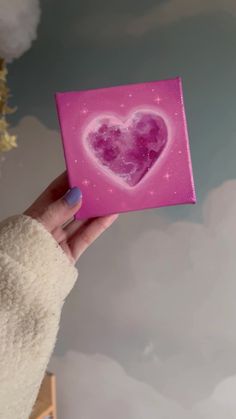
{"x":127,"y":147}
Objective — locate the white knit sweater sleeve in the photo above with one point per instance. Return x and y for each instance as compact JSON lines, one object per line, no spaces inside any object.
{"x":35,"y":278}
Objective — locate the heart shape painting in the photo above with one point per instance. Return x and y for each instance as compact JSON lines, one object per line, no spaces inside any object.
{"x":127,"y":149}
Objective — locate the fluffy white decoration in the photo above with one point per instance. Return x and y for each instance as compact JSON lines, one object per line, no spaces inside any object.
{"x":18,"y":26}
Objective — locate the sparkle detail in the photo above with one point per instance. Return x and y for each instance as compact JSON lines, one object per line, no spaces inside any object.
{"x":167,"y":176}
{"x":157,"y":99}
{"x":86,"y":182}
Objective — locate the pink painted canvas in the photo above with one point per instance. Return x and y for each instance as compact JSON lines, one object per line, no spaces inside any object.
{"x":127,"y":147}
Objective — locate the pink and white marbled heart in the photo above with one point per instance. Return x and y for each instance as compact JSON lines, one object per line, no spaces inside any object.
{"x":128,"y":149}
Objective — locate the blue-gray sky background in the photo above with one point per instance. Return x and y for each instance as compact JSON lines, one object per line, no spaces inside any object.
{"x":149,"y":329}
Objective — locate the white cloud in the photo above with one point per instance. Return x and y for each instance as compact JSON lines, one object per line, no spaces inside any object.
{"x":192,"y":267}
{"x":182,"y":295}
{"x":160,"y":297}
{"x":18,"y":26}
{"x":104,"y":28}
{"x":110,"y":28}
{"x":170,"y":11}
{"x":222,"y":403}
{"x":96,"y":387}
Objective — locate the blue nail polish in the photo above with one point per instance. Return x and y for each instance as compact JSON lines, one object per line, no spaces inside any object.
{"x":73,"y":196}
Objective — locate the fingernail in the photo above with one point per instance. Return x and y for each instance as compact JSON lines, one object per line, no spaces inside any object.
{"x":73,"y":196}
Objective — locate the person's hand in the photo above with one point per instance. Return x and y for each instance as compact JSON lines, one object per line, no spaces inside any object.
{"x":55,"y":209}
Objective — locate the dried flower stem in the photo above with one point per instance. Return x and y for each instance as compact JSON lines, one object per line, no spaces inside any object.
{"x":7,"y":141}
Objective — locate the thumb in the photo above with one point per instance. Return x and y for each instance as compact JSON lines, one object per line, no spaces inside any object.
{"x":60,"y":211}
